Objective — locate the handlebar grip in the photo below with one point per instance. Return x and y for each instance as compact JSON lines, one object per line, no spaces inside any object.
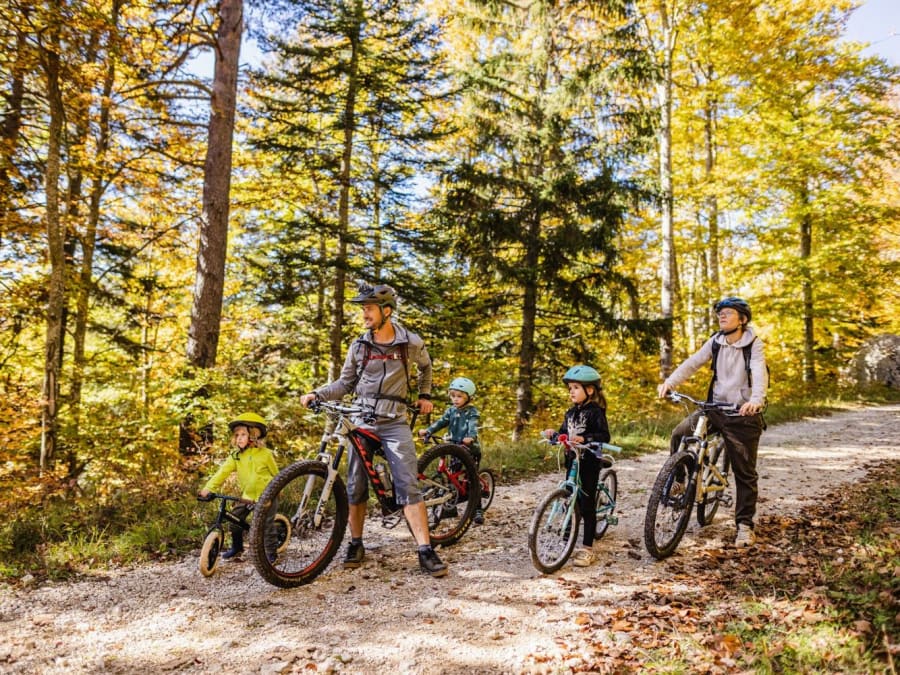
{"x":610,"y":447}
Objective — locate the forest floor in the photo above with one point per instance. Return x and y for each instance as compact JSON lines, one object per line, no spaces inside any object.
{"x":494,"y":613}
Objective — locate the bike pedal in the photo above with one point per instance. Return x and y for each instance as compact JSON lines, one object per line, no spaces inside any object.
{"x":612,"y":520}
{"x":391,"y":521}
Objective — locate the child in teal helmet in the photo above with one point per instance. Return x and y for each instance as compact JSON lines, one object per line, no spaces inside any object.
{"x":585,"y":422}
{"x":461,"y":421}
{"x":255,"y":467}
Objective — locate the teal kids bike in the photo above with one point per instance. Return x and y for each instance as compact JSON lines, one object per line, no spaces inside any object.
{"x":554,"y":527}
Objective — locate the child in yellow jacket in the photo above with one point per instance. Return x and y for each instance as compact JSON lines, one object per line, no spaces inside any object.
{"x":255,"y":467}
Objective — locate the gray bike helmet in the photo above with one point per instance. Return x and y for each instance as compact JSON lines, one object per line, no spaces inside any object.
{"x":381,"y":295}
{"x":735,"y":303}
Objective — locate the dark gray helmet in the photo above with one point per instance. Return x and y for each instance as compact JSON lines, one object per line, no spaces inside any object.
{"x":381,"y":295}
{"x":735,"y":303}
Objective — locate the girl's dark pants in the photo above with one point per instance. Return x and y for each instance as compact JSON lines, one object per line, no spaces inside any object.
{"x":741,"y":435}
{"x":587,"y":499}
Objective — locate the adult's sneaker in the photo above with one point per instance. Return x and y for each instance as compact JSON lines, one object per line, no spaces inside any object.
{"x":430,"y":563}
{"x":355,"y":555}
{"x":745,"y":537}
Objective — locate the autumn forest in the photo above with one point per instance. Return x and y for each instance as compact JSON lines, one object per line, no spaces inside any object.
{"x":545,"y":183}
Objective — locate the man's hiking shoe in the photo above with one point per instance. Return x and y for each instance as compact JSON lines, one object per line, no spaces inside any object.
{"x":479,"y":516}
{"x":356,"y":553}
{"x":431,"y":564}
{"x":745,"y":537}
{"x":233,"y":554}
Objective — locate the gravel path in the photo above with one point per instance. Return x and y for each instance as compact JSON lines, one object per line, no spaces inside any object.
{"x":494,"y":613}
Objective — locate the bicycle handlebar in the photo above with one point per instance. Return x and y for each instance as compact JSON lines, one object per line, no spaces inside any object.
{"x":318,"y":405}
{"x":592,"y":446}
{"x":729,"y":409}
{"x":228,"y":498}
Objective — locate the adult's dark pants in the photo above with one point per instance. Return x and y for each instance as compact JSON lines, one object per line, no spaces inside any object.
{"x":741,"y":435}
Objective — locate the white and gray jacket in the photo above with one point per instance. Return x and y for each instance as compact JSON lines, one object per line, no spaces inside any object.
{"x":731,"y":385}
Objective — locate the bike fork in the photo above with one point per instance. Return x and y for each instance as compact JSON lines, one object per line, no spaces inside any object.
{"x":318,"y":516}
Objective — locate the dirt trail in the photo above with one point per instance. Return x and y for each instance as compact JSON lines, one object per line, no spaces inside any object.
{"x":494,"y":613}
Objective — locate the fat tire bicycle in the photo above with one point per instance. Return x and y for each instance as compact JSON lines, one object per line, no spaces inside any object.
{"x":696,"y":474}
{"x":214,"y":541}
{"x":315,"y":496}
{"x":554,"y":527}
{"x":486,"y":476}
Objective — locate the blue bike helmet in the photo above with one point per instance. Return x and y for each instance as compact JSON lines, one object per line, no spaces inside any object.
{"x":735,"y":303}
{"x":582,"y":374}
{"x":463,"y":384}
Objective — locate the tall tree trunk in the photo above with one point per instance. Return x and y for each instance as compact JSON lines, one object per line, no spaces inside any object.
{"x":524,"y":388}
{"x":667,"y":264}
{"x":209,"y":284}
{"x":9,"y":132}
{"x":712,"y":212}
{"x":56,"y":245}
{"x":336,"y":337}
{"x":809,"y":343}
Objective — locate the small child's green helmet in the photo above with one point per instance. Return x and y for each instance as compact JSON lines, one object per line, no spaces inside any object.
{"x":463,"y":384}
{"x":250,"y":420}
{"x":582,"y":374}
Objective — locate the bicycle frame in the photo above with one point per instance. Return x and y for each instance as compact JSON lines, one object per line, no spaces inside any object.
{"x":572,"y":481}
{"x":349,"y":437}
{"x":699,"y":445}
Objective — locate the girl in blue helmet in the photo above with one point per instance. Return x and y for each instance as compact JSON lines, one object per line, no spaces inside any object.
{"x":461,"y":421}
{"x":585,"y":422}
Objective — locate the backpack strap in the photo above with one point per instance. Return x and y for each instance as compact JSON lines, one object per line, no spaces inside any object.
{"x":747,"y":349}
{"x":369,"y":356}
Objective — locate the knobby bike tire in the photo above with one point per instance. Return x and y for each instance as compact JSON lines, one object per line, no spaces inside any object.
{"x":488,"y":482}
{"x":450,"y":507}
{"x":553,"y":531}
{"x":310,"y":548}
{"x":709,"y":505}
{"x":669,"y":506}
{"x":606,"y":500}
{"x":209,"y":553}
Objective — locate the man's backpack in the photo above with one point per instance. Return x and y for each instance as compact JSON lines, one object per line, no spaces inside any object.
{"x":715,"y":357}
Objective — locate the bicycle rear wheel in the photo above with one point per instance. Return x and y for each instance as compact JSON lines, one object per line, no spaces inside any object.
{"x":669,"y":506}
{"x":317,"y":524}
{"x":709,"y":505}
{"x":486,"y":477}
{"x":209,"y":554}
{"x":449,"y":484}
{"x":607,"y":491}
{"x":553,"y":531}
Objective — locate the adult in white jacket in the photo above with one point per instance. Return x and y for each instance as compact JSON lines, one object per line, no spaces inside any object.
{"x":745,"y":388}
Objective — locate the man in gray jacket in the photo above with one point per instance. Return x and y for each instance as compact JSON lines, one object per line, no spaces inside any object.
{"x":376,"y":372}
{"x":746,"y":389}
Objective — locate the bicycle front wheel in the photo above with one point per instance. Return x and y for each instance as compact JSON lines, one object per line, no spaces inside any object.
{"x":209,"y":554}
{"x":607,"y":491}
{"x":669,"y":506}
{"x":553,"y":531}
{"x":714,"y":489}
{"x":449,"y":484}
{"x":317,"y":524}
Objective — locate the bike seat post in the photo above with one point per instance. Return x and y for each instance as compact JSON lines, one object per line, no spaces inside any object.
{"x":700,"y":426}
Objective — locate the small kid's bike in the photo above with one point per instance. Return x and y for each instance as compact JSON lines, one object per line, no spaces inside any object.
{"x":554,"y":527}
{"x":486,"y":476}
{"x":215,"y":536}
{"x":313,"y":493}
{"x":696,"y":474}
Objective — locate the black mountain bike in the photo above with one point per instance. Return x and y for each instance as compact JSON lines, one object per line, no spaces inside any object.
{"x":214,"y":540}
{"x":314,"y":496}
